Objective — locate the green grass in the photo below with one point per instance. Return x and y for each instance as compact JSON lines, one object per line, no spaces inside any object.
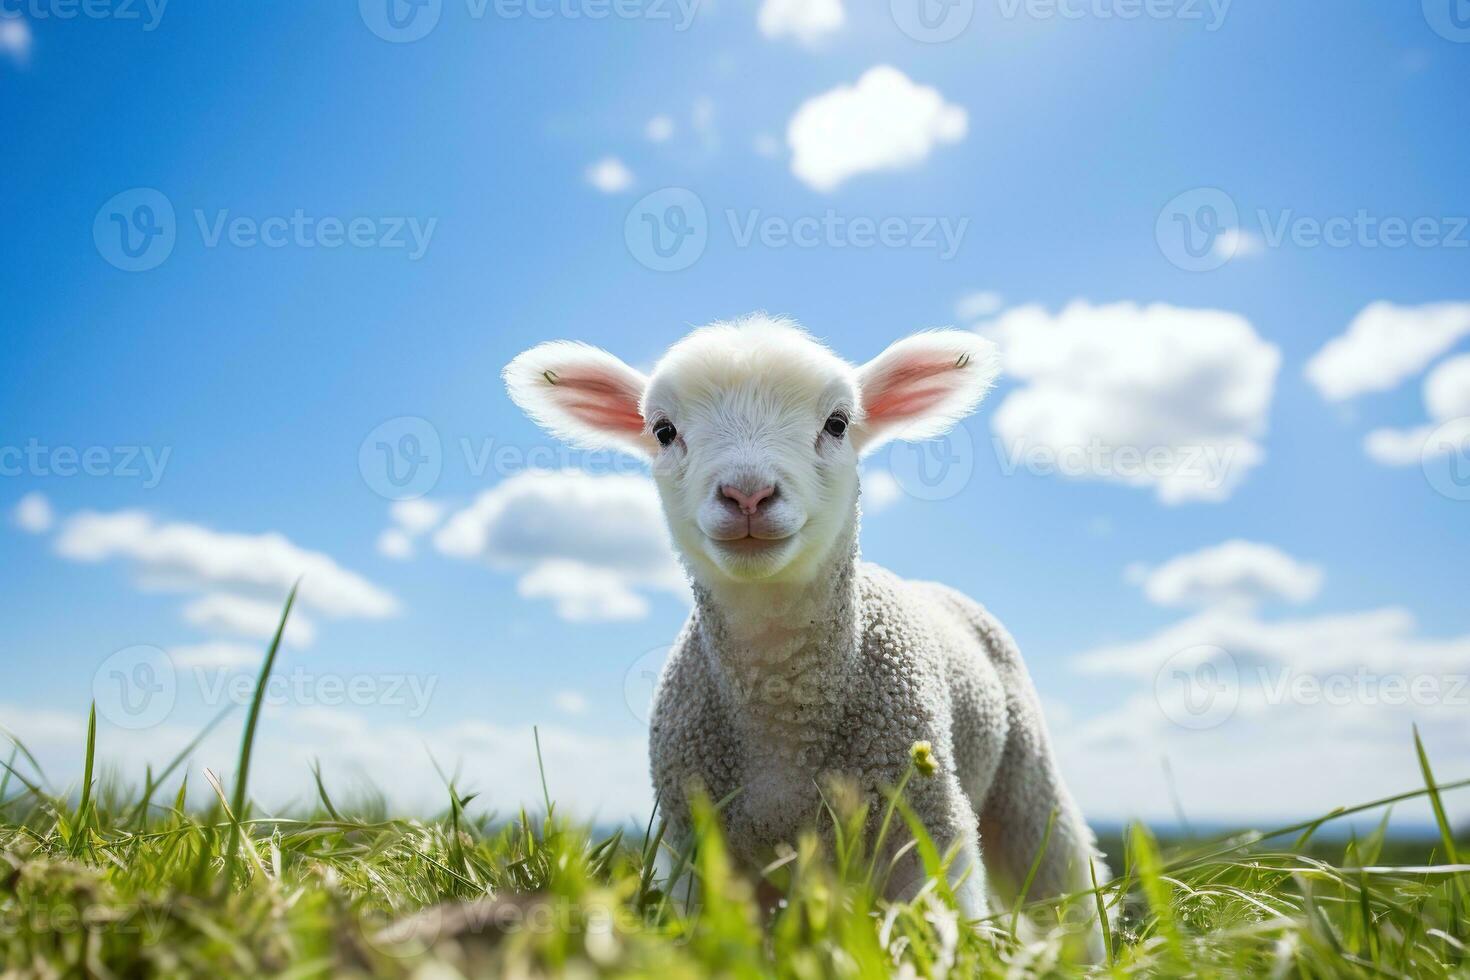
{"x":109,"y":881}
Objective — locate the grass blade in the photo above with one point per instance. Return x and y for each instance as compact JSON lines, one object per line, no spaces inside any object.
{"x":247,"y":745}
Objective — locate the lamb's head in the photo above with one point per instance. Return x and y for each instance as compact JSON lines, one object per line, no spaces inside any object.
{"x":754,"y":429}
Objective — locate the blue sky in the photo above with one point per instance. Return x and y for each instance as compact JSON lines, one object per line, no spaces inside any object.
{"x":1056,"y":145}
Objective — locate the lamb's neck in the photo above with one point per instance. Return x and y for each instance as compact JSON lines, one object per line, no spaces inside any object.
{"x":785,"y":654}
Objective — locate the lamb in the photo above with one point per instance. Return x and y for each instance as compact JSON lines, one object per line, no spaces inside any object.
{"x":799,"y":661}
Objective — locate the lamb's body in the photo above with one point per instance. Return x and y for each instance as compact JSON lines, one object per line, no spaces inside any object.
{"x":879,"y":664}
{"x":801,"y":665}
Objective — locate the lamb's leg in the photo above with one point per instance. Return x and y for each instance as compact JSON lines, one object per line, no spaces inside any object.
{"x":948,"y":819}
{"x":1026,"y":790}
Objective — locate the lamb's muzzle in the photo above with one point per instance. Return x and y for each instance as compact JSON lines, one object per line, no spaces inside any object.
{"x":801,"y":664}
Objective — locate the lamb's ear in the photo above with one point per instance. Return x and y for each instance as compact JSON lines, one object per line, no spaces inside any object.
{"x":581,"y":394}
{"x":921,"y":386}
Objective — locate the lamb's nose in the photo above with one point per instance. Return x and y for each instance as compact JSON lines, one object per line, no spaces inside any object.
{"x":748,"y":503}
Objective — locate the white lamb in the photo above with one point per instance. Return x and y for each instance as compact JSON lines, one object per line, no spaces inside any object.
{"x":800,"y":662}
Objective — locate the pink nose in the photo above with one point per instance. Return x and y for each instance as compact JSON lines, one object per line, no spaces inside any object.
{"x":749,"y":502}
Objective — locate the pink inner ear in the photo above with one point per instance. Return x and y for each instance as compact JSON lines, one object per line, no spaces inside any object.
{"x":599,"y":400}
{"x":911,"y":387}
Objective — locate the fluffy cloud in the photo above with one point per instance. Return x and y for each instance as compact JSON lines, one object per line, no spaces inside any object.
{"x":1385,"y":344}
{"x":610,"y":175}
{"x":220,"y":612}
{"x":569,"y":702}
{"x":590,"y":775}
{"x":33,"y":514}
{"x":806,"y":20}
{"x":1236,"y":573}
{"x":981,"y":303}
{"x":884,"y":122}
{"x":191,"y":557}
{"x":590,"y":543}
{"x":15,"y":39}
{"x":217,"y":655}
{"x":1152,"y":396}
{"x":1268,"y":719}
{"x":1447,"y":401}
{"x":881,"y":490}
{"x":659,"y":129}
{"x":411,"y":519}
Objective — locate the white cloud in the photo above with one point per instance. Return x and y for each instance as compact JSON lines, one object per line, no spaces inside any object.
{"x":1237,"y":243}
{"x":884,"y":122}
{"x":610,"y":175}
{"x":395,"y":542}
{"x":806,"y":20}
{"x":702,"y":121}
{"x":659,"y":129}
{"x":411,"y":519}
{"x":1384,"y":345}
{"x":590,"y":775}
{"x":1236,"y":573}
{"x":418,"y":515}
{"x":1150,"y":396}
{"x":220,"y":612}
{"x":569,"y":702}
{"x":881,"y":490}
{"x":33,"y":513}
{"x":217,"y":654}
{"x":1447,"y":389}
{"x":191,"y":557}
{"x":981,"y":303}
{"x":1316,"y":710}
{"x":1447,"y":401}
{"x":590,"y":543}
{"x":15,"y":39}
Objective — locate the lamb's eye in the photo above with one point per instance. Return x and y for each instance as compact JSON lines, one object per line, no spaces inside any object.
{"x":836,"y":425}
{"x":664,"y":432}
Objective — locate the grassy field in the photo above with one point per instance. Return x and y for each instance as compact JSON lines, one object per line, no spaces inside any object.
{"x":113,"y":881}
